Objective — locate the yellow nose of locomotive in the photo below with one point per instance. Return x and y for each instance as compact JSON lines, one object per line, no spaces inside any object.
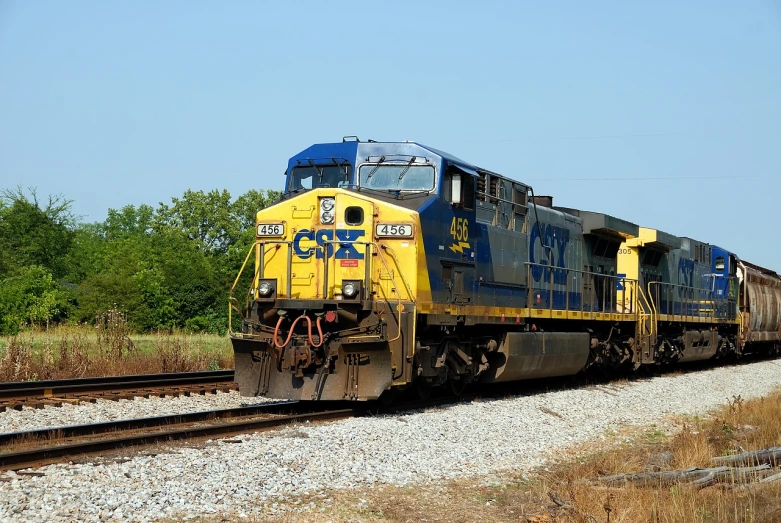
{"x":332,"y":293}
{"x":316,"y":247}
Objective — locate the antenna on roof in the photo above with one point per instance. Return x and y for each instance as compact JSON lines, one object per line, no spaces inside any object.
{"x":351,"y":138}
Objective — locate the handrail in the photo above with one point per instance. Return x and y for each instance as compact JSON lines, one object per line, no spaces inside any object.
{"x":401,"y":272}
{"x":741,"y":325}
{"x":609,"y":299}
{"x":650,"y":300}
{"x":651,"y":314}
{"x":390,"y":275}
{"x":246,"y":259}
{"x":692,"y":300}
{"x":395,"y":287}
{"x":411,"y":295}
{"x":233,"y":302}
{"x":232,"y":298}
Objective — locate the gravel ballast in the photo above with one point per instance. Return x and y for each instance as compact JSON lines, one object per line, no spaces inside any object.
{"x":469,"y":439}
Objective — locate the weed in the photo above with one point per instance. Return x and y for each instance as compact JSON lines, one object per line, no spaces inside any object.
{"x":16,"y":362}
{"x":81,"y":351}
{"x":113,"y":333}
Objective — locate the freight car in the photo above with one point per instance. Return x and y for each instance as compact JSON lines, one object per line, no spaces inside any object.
{"x":388,"y":265}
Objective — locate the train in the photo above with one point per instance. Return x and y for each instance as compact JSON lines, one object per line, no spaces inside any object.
{"x":391,"y":266}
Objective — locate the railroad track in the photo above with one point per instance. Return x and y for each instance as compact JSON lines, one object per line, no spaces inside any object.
{"x":38,"y":394}
{"x":35,"y":448}
{"x":63,"y":443}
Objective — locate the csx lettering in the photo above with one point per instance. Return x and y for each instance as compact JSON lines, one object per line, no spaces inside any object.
{"x":322,"y":237}
{"x":556,"y":238}
{"x":685,"y":273}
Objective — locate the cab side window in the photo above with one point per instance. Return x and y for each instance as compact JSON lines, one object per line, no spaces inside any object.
{"x":459,"y":189}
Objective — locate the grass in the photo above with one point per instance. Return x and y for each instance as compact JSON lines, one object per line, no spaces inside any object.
{"x":108,"y":350}
{"x":739,"y":425}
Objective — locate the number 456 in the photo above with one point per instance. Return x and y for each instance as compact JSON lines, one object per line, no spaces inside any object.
{"x":459,"y":229}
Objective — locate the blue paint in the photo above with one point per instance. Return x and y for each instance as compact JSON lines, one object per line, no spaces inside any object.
{"x":556,"y":238}
{"x":345,"y":250}
{"x":685,"y":274}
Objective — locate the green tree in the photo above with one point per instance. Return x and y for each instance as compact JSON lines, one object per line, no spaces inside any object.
{"x":32,"y":234}
{"x":30,"y":297}
{"x":246,"y":207}
{"x":204,"y":217}
{"x":163,"y":268}
{"x":128,"y":221}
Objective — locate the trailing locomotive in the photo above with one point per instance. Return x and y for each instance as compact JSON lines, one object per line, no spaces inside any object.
{"x":394,"y":265}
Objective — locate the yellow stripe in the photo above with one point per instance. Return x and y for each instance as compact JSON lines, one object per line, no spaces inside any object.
{"x":511,"y":314}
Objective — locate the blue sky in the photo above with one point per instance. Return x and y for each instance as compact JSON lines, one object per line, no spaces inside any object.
{"x":667,"y":114}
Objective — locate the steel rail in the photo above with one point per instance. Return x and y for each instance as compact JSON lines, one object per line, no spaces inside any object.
{"x":74,"y":431}
{"x":82,"y":385}
{"x":54,"y":454}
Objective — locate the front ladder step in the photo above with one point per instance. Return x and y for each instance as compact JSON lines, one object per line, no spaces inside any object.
{"x":646,"y":340}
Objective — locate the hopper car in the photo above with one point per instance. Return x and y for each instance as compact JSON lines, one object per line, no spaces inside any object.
{"x":394,"y":265}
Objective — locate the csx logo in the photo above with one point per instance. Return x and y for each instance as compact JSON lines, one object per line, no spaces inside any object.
{"x":554,"y":240}
{"x":685,"y":274}
{"x":321,"y":237}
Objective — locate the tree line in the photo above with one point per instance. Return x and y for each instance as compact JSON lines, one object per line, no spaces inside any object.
{"x":164,"y":268}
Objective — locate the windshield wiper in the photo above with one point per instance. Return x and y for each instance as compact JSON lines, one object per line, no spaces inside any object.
{"x":406,"y":168}
{"x":341,"y":168}
{"x":406,"y":195}
{"x":374,"y":170}
{"x":319,"y":171}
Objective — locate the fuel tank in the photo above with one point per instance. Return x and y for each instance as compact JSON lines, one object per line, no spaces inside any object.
{"x":529,"y":355}
{"x":699,"y":345}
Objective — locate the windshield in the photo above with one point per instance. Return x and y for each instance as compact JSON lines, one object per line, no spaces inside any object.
{"x":401,"y":177}
{"x":313,"y":176}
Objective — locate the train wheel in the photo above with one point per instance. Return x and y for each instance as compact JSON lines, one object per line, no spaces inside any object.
{"x":389,"y":396}
{"x":423,"y":388}
{"x":456,"y":386}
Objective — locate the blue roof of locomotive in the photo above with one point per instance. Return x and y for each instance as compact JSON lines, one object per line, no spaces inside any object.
{"x":352,"y":150}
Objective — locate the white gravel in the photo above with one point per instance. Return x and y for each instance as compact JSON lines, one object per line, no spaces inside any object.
{"x":262,"y":473}
{"x":109,"y":410}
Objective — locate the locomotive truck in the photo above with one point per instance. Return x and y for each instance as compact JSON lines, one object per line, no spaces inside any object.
{"x":394,"y":265}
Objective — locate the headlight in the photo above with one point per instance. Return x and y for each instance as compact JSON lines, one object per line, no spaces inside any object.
{"x":349,"y":289}
{"x":326,"y":210}
{"x":265,"y":288}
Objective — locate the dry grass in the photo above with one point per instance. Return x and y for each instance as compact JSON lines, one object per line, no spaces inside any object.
{"x":739,"y":425}
{"x":83,"y":351}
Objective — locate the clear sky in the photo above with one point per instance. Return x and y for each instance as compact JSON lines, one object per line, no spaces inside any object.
{"x":667,"y":114}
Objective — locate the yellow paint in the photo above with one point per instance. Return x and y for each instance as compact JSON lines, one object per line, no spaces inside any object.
{"x":393,"y":269}
{"x":628,"y":264}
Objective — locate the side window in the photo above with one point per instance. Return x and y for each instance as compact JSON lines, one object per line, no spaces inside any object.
{"x":459,"y":189}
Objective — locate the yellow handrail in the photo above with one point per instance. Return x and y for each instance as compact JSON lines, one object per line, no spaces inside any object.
{"x":231,"y":298}
{"x":233,"y":303}
{"x":653,"y":313}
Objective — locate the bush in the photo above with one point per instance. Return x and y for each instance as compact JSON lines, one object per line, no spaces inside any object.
{"x":29,"y":298}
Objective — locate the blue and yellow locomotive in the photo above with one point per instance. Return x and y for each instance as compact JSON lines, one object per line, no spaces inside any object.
{"x":390,"y":265}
